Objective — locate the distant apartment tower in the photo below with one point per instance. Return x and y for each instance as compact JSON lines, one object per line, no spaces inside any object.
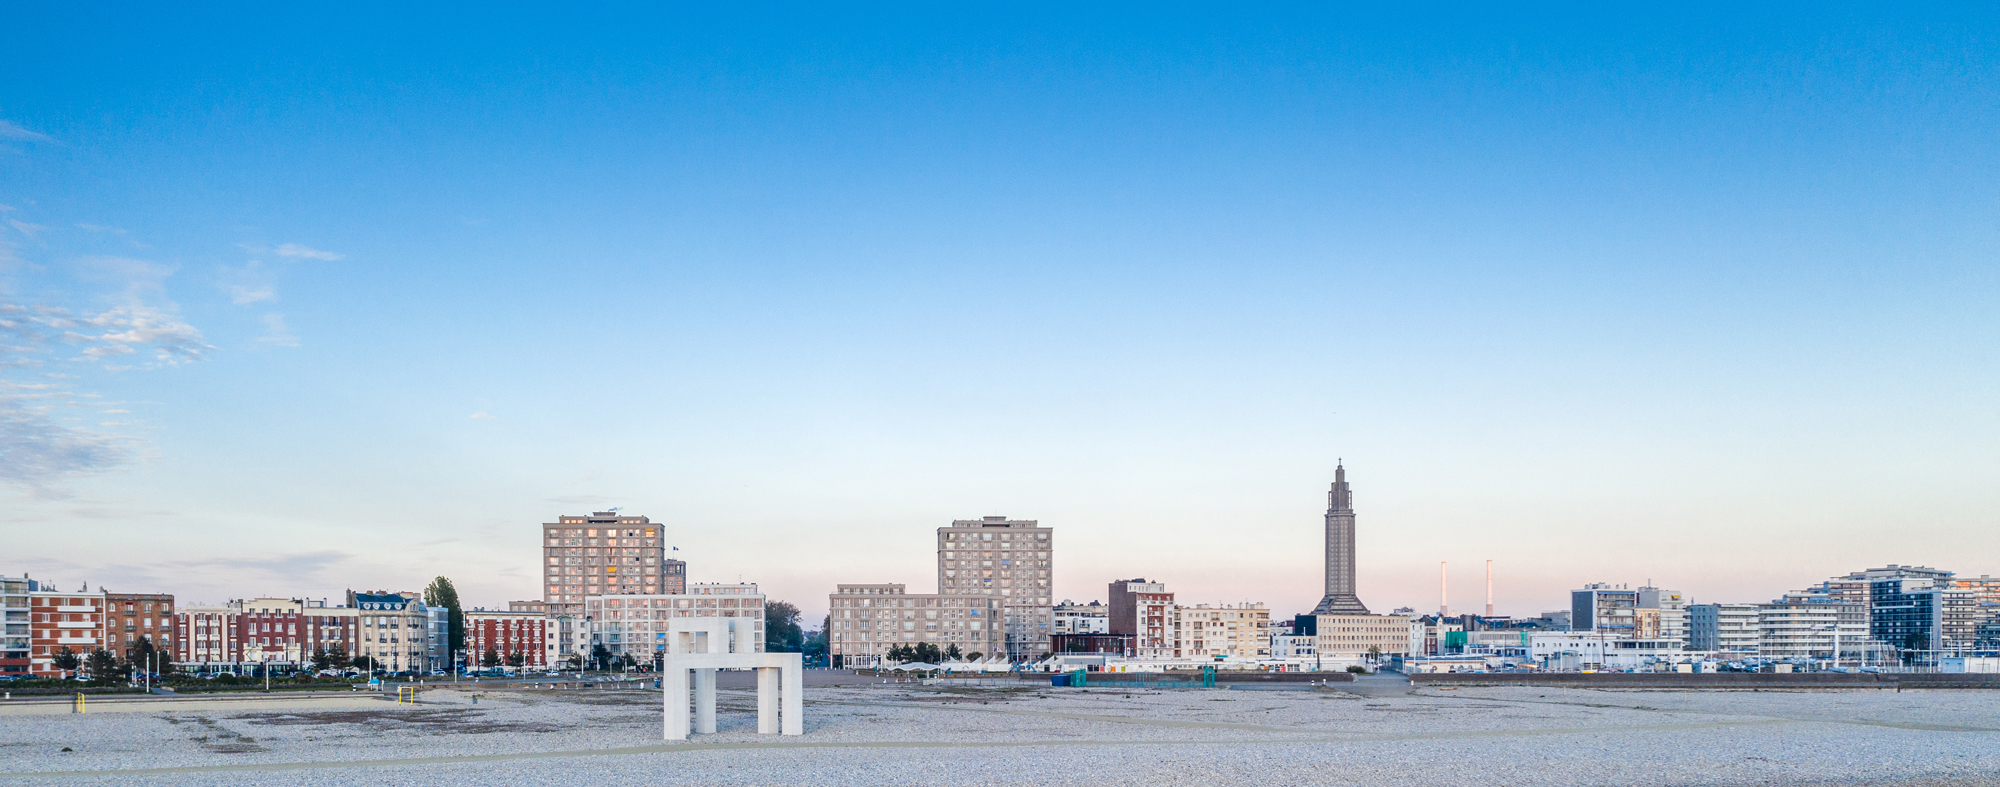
{"x":1143,"y":611}
{"x":1723,"y":628}
{"x":1602,"y":609}
{"x":14,"y":647}
{"x":865,"y":620}
{"x":1011,"y":559}
{"x":599,"y":555}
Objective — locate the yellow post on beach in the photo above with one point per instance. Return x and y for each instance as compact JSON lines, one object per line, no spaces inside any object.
{"x":406,"y":693}
{"x":79,"y":703}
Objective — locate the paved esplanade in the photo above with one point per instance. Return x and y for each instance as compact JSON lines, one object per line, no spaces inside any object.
{"x":1340,"y":598}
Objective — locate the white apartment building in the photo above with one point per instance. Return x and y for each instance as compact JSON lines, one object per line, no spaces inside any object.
{"x":1662,"y":614}
{"x":1810,"y":630}
{"x":866,"y":620}
{"x":635,"y":624}
{"x":1009,"y":559}
{"x":1074,"y":618}
{"x":395,"y":629}
{"x":1723,"y":628}
{"x":1360,"y":636}
{"x":1229,"y":630}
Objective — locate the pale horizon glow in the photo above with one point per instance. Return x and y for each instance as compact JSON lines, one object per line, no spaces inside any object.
{"x":291,"y":305}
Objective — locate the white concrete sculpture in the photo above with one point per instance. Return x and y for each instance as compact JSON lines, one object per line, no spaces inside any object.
{"x":703,"y":645}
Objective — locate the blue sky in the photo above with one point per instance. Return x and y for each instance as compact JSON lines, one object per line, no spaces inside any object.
{"x":304,"y":300}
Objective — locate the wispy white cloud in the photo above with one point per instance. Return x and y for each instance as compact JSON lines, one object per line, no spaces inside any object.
{"x":276,"y":333}
{"x":127,"y":330}
{"x":303,"y":251}
{"x":38,"y":451}
{"x":25,"y":228}
{"x":240,"y":294}
{"x":485,"y":416}
{"x":99,"y":228}
{"x":10,"y":131}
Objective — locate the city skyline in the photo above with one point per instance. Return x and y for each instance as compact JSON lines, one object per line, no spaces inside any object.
{"x":296,"y":304}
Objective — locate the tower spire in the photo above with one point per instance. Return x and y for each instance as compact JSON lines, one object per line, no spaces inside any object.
{"x":1340,"y":598}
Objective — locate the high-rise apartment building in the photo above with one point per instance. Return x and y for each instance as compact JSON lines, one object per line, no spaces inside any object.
{"x":1143,"y":611}
{"x":599,"y":555}
{"x":1340,"y":598}
{"x":14,"y":638}
{"x":1011,"y":559}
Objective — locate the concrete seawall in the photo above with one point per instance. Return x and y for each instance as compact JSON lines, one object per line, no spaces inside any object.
{"x":1722,"y":680}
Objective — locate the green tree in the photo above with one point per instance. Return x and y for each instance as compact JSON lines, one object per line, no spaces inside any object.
{"x":816,"y":645}
{"x":67,"y":661}
{"x":491,"y":658}
{"x":336,"y":656}
{"x":781,"y":628}
{"x":139,"y":654}
{"x":600,"y":657}
{"x":364,"y":663}
{"x":442,"y":594}
{"x":951,"y":653}
{"x":974,"y":656}
{"x":517,"y":659}
{"x":102,"y":665}
{"x":320,"y":659}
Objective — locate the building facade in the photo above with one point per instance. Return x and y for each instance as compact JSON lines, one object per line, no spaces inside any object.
{"x":514,"y":639}
{"x":1073,"y":618}
{"x":636,"y":624}
{"x":1661,"y":614}
{"x":17,"y":634}
{"x":1602,"y":609}
{"x":60,"y":620}
{"x":1724,"y":628}
{"x":130,"y":616}
{"x":1361,"y":636}
{"x":1143,"y":611}
{"x":1810,"y":631}
{"x":1226,"y":631}
{"x":866,"y":620}
{"x":394,"y":631}
{"x":1010,"y":559}
{"x":601,"y":554}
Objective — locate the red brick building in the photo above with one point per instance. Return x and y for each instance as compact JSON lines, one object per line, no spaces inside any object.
{"x":506,"y":633}
{"x":59,"y":620}
{"x":129,"y":616}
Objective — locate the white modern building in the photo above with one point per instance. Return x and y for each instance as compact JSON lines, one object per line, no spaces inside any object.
{"x":1604,"y":651}
{"x":1724,"y":628}
{"x":1074,"y":618}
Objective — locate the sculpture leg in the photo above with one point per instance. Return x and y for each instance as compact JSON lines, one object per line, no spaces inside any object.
{"x":674,"y":690}
{"x":704,"y":701}
{"x":794,"y":697}
{"x":767,"y":700}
